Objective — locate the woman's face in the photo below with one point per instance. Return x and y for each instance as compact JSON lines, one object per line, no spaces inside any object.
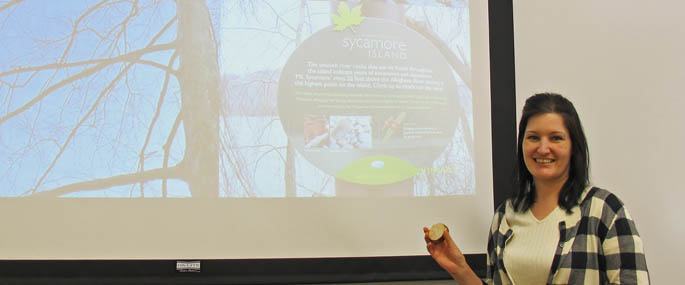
{"x":547,"y":148}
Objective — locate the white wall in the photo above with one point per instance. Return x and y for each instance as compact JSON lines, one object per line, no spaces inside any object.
{"x":622,"y":63}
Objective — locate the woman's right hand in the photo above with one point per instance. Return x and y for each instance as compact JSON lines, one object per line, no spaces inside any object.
{"x":446,"y":253}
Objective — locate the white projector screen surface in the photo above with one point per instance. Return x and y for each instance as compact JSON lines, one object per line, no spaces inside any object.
{"x":622,"y":65}
{"x":242,"y":129}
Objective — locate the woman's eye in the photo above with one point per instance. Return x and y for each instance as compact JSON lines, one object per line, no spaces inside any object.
{"x":533,"y":138}
{"x":557,"y":138}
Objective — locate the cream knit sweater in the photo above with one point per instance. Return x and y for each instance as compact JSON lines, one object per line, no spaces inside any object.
{"x":529,"y":252}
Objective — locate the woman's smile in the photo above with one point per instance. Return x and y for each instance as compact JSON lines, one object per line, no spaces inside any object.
{"x":547,"y":148}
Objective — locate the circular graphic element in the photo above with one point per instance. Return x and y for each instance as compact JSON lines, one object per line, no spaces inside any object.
{"x":363,"y":171}
{"x":378,"y":89}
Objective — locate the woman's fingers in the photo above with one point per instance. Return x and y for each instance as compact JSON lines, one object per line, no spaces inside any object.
{"x":451,"y":243}
{"x":447,"y":236}
{"x":425,"y":235}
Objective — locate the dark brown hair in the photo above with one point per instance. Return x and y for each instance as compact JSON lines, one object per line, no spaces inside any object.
{"x":579,"y":167}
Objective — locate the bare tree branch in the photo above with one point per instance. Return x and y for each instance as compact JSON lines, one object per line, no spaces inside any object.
{"x":457,"y":64}
{"x":108,"y":42}
{"x":167,"y":147}
{"x":158,"y":110}
{"x":123,"y":58}
{"x":278,"y":16}
{"x":118,"y":180}
{"x":76,"y":128}
{"x":10,"y":4}
{"x":128,"y":57}
{"x":234,"y":161}
{"x":74,"y":33}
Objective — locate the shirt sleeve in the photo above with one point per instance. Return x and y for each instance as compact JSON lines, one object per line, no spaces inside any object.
{"x":491,"y":257}
{"x":490,"y":266}
{"x":622,"y":248}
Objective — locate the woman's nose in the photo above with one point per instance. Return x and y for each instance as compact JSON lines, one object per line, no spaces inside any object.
{"x":543,"y":147}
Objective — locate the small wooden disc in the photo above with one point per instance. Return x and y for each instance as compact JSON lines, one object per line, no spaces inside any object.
{"x":436,"y":231}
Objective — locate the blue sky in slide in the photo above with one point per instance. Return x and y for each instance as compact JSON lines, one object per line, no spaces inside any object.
{"x":88,"y":129}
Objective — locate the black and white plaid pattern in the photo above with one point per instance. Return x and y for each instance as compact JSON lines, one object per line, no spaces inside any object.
{"x":598,"y":244}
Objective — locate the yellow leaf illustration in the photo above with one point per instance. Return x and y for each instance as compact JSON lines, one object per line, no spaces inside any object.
{"x":347,"y":18}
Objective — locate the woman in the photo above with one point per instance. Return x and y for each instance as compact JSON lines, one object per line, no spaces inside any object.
{"x":556,"y":229}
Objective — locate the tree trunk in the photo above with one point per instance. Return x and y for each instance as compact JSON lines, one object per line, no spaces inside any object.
{"x":198,"y":78}
{"x":290,"y":186}
{"x":290,"y":169}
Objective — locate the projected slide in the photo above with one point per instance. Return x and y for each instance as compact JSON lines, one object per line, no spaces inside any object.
{"x":236,"y":99}
{"x":162,"y":129}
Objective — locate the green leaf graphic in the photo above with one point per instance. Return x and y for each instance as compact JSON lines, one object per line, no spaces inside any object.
{"x":367,"y":170}
{"x":346,"y":18}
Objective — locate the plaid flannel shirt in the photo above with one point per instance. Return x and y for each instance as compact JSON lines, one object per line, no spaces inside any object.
{"x":598,"y":244}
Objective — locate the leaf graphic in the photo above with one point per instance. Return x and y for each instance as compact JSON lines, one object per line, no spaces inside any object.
{"x":392,"y":125}
{"x":356,"y":16}
{"x":346,"y":18}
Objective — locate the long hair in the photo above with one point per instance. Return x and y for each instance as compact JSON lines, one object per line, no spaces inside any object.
{"x":579,"y":168}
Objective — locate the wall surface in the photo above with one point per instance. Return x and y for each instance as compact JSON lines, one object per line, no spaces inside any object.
{"x":622,"y":64}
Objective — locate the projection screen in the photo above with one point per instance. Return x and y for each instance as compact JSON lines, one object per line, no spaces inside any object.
{"x":242,"y":129}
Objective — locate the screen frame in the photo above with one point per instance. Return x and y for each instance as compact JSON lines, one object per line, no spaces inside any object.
{"x":316,"y":270}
